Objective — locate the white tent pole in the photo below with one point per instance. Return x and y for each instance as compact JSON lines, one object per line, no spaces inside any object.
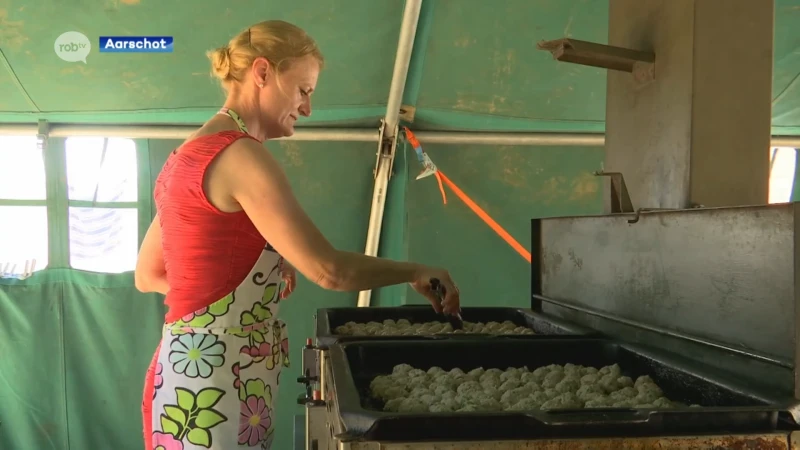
{"x":408,"y":31}
{"x":554,"y":139}
{"x":341,"y":135}
{"x":179,"y":132}
{"x":510,"y":138}
{"x":785,"y":141}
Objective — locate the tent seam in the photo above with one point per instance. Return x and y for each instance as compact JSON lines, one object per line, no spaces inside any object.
{"x":17,"y":82}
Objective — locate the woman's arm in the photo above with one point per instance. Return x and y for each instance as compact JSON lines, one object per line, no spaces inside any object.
{"x":150,"y":274}
{"x":256,"y":182}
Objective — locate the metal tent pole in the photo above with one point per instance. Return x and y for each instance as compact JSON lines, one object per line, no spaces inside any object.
{"x":785,"y":141}
{"x":179,"y":132}
{"x":342,"y":134}
{"x":482,"y":138}
{"x":389,"y":132}
{"x":555,"y":139}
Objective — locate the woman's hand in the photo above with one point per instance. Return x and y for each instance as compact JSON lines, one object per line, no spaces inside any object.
{"x":289,"y":276}
{"x":451,"y":304}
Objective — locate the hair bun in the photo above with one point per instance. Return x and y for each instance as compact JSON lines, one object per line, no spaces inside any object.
{"x":220,"y":62}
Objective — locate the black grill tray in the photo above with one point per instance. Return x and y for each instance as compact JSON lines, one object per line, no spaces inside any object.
{"x":328,"y":319}
{"x":727,"y":406}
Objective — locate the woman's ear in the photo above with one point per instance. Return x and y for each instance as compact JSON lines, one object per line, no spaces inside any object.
{"x":261,"y":71}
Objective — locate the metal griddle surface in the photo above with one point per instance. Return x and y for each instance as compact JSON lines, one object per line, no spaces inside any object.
{"x":727,"y":406}
{"x":543,"y":325}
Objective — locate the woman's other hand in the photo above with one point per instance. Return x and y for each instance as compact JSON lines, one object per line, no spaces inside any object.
{"x":451,"y":304}
{"x":289,"y":276}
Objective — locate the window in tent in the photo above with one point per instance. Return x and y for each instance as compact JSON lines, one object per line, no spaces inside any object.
{"x":102,"y":191}
{"x":24,"y":238}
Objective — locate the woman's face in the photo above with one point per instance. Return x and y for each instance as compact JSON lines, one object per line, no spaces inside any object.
{"x":287,"y":96}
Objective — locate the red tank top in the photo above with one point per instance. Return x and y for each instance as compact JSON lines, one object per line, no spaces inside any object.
{"x":207,"y":252}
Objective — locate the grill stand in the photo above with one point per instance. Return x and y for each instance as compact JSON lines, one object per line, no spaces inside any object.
{"x":688,"y":124}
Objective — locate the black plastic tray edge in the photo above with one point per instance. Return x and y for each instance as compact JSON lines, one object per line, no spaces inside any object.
{"x":325,"y":337}
{"x":719,"y":377}
{"x":342,"y":377}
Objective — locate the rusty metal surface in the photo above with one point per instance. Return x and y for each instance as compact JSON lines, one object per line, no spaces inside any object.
{"x":720,"y":274}
{"x":734,"y":442}
{"x":794,"y":440}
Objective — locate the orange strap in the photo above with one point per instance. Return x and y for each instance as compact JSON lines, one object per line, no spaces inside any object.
{"x":482,"y":214}
{"x":441,"y":188}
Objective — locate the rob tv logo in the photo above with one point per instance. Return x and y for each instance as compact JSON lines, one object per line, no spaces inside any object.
{"x":73,"y":46}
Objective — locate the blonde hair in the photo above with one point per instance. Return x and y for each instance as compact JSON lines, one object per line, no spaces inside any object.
{"x":278,"y":41}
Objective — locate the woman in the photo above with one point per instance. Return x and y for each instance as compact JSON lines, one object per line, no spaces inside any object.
{"x":226,"y":219}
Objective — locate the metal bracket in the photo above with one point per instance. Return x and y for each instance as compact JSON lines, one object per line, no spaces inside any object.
{"x":381,"y":130}
{"x":42,"y":134}
{"x":641,"y":210}
{"x":386,"y":148}
{"x":640,"y":64}
{"x":309,"y":364}
{"x":620,"y":199}
{"x":407,"y":113}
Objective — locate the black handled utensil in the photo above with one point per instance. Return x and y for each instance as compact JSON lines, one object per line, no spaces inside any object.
{"x":454,"y":319}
